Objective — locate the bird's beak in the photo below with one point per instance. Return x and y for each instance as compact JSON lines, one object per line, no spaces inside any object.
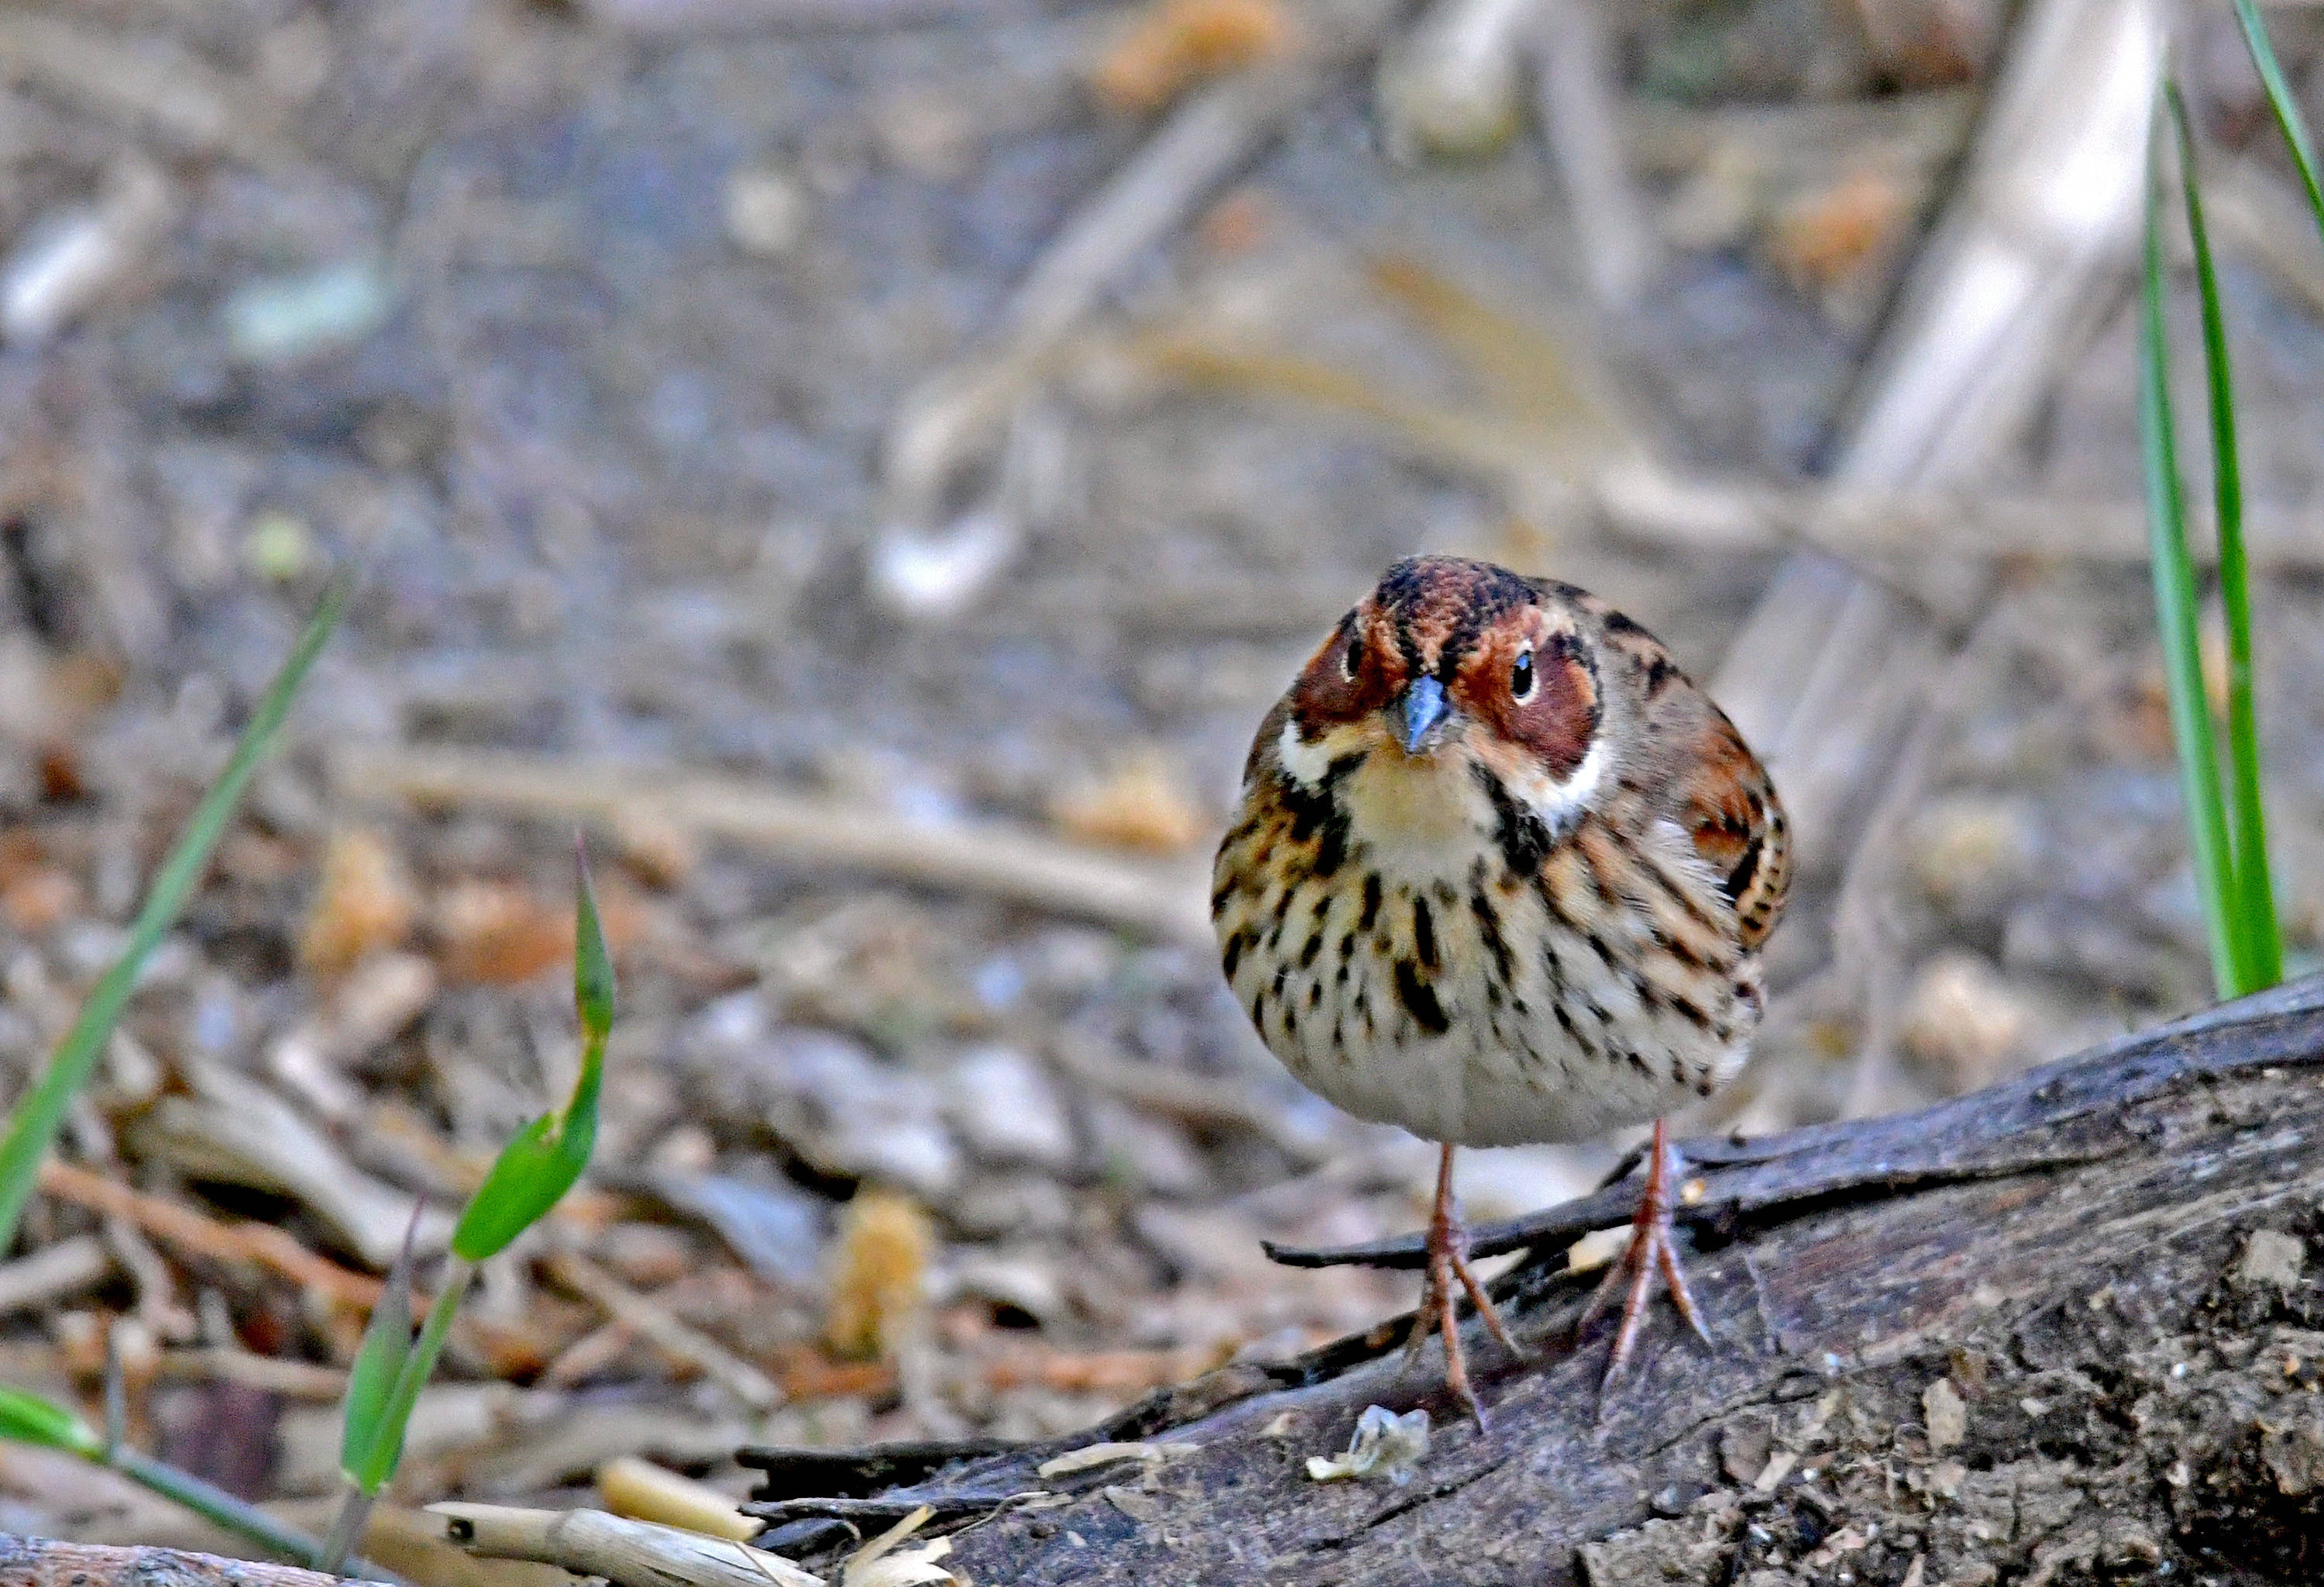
{"x":1422,"y":707}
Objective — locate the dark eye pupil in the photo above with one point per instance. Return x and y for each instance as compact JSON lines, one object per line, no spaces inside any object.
{"x":1521,"y":675}
{"x":1355,"y":656}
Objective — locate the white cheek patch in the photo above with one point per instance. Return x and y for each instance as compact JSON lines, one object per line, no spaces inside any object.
{"x":1559,"y":803}
{"x":1305,"y":763}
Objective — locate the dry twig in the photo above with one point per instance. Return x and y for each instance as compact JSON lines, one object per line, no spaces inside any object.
{"x":292,"y":1379}
{"x":633,"y":1553}
{"x":2003,"y":288}
{"x":960,"y":410}
{"x":198,"y":1234}
{"x":665,"y":1331}
{"x":989,"y":857}
{"x":50,"y":1273}
{"x":1578,"y":106}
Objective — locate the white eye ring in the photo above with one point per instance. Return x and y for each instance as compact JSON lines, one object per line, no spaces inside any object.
{"x":1351,"y":659}
{"x":1524,"y":677}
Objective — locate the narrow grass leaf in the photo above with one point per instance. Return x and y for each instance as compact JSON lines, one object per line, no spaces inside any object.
{"x":43,"y":1109}
{"x":2286,"y":109}
{"x":387,"y":1451}
{"x":2175,"y":601}
{"x":537,"y":1167}
{"x":592,"y":965}
{"x":2253,"y":900}
{"x":386,"y":1343}
{"x":27,"y":1418}
{"x":215,"y":1504}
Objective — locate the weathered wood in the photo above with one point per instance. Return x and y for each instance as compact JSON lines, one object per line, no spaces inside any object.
{"x":2066,"y":1329}
{"x":42,"y":1561}
{"x":591,"y":1543}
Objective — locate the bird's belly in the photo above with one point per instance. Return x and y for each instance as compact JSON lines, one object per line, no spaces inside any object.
{"x":1455,"y":1089}
{"x":1478,"y":1013}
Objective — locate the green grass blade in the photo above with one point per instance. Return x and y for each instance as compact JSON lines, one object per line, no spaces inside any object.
{"x":216,"y":1505}
{"x":379,"y":1460}
{"x":386,"y":1342}
{"x":43,"y":1109}
{"x":592,"y":965}
{"x":535,"y":1169}
{"x":27,"y":1418}
{"x":2286,"y":109}
{"x":2253,"y":905}
{"x":2175,"y":603}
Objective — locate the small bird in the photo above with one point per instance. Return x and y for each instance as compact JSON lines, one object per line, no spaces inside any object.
{"x":1500,"y":874}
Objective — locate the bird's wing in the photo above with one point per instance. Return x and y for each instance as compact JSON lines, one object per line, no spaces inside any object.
{"x":1730,"y":808}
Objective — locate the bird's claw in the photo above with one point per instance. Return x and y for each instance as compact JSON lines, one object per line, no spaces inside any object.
{"x":1652,"y":1248}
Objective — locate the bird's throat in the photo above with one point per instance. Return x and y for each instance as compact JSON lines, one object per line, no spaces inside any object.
{"x":1422,"y":814}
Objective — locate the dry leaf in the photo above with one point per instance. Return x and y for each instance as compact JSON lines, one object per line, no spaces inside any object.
{"x":36,"y":898}
{"x":499,"y":934}
{"x":878,"y":1290}
{"x":1143,"y":804}
{"x":1174,"y":43}
{"x":1823,"y":238}
{"x":366,"y":902}
{"x":882,"y":1563}
{"x":906,"y":1567}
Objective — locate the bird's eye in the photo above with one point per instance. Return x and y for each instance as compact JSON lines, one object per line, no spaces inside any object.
{"x":1521,"y":678}
{"x":1353,"y":662}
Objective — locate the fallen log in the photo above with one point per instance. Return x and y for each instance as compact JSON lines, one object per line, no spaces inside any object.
{"x":2065,"y":1329}
{"x":42,"y":1561}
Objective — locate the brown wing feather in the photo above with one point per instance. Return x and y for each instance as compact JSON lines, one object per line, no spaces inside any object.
{"x":1720,"y":791}
{"x":1730,"y":807}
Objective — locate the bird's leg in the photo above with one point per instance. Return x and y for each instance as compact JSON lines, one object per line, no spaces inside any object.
{"x":1650,"y":1249}
{"x":1448,"y":1263}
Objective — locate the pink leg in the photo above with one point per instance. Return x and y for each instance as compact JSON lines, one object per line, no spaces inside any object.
{"x":1448,"y":1263}
{"x":1651,"y":1249}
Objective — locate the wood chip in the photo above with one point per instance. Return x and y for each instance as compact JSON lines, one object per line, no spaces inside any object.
{"x":643,"y":1492}
{"x":1093,"y":1455}
{"x":1137,"y":1505}
{"x":64,"y":1268}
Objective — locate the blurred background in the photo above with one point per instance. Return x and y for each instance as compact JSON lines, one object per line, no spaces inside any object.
{"x":870,"y":464}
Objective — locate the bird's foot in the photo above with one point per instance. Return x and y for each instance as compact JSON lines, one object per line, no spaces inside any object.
{"x":1448,"y":1267}
{"x":1652,"y":1250}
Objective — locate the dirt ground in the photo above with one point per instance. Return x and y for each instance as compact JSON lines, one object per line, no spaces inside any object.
{"x":697,"y":389}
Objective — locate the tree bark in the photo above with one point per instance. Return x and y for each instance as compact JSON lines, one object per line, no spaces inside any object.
{"x":2067,"y":1329}
{"x":42,"y":1562}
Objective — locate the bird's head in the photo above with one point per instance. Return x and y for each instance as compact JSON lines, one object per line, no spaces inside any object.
{"x":1449,"y":664}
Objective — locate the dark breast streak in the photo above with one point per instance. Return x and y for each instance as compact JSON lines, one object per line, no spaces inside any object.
{"x":1582,"y":971}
